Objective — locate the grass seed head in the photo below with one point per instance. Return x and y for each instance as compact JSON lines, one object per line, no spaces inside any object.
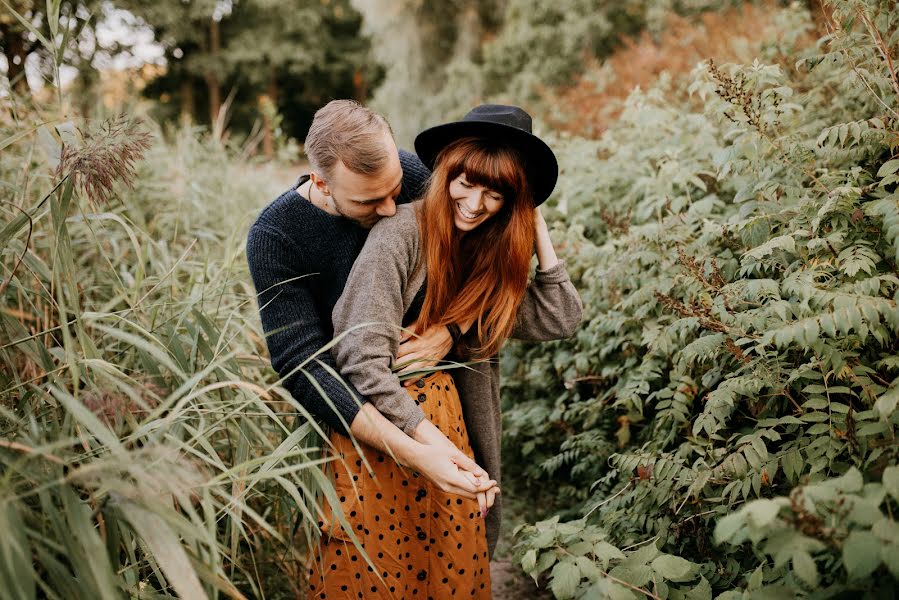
{"x":106,"y":155}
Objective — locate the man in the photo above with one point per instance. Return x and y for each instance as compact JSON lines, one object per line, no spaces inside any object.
{"x":300,"y":252}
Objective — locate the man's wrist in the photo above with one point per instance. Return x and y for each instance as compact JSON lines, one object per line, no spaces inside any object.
{"x":418,"y":432}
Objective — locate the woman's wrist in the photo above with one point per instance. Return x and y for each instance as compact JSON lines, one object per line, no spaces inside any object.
{"x":546,"y":254}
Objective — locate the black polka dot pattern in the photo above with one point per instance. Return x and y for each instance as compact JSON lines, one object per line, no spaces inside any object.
{"x":422,"y":542}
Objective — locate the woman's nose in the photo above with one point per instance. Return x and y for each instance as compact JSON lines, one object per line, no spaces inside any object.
{"x":475,"y":201}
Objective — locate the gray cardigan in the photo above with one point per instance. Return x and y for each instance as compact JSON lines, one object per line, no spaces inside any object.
{"x":379,"y":291}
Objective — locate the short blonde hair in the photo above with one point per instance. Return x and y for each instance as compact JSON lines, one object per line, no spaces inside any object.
{"x":346,"y":131}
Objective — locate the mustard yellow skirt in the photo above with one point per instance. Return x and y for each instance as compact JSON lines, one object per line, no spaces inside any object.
{"x":422,"y":542}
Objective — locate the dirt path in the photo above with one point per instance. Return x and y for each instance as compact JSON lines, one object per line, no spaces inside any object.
{"x":509,"y":582}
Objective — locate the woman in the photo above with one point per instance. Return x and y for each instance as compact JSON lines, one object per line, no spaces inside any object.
{"x":472,"y":238}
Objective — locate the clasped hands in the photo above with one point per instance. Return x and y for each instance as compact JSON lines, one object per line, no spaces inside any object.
{"x":440,"y":460}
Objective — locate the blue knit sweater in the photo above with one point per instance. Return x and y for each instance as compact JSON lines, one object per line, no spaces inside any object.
{"x":300,"y":258}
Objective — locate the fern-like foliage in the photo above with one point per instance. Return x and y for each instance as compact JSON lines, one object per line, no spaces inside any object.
{"x":742,"y":325}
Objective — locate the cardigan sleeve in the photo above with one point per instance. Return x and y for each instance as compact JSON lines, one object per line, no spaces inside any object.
{"x":368,"y":316}
{"x":551,"y":308}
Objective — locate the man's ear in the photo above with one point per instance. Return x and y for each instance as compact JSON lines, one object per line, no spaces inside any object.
{"x":319,"y":183}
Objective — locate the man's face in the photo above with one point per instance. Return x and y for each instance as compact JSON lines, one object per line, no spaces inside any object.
{"x":365,"y":199}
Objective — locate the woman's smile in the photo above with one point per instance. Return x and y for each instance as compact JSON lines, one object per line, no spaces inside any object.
{"x":466,"y":214}
{"x":474,"y":203}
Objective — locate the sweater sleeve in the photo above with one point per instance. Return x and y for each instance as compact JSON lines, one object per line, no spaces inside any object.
{"x":368,"y":317}
{"x":415,"y":177}
{"x":551,"y":308}
{"x":294,"y":332}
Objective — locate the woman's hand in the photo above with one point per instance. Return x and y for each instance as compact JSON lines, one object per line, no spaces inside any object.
{"x":485,"y":499}
{"x":546,"y":254}
{"x":424,"y":350}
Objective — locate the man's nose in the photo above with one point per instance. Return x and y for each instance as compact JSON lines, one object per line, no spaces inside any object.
{"x":387,"y":208}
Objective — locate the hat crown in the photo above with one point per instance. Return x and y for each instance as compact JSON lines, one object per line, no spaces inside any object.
{"x":501,"y":114}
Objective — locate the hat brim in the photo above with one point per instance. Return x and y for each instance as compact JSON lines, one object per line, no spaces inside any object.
{"x":541,"y":168}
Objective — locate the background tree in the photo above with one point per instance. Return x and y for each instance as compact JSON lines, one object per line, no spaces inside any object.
{"x":74,"y":24}
{"x":190,"y":34}
{"x":295,"y":60}
{"x":269,"y":59}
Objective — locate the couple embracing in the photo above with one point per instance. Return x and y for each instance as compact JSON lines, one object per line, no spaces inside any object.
{"x":409,"y":260}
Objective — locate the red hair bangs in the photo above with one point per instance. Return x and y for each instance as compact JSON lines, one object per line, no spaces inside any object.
{"x":479,"y":277}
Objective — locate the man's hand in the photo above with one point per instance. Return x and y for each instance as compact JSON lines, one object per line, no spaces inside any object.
{"x":424,"y":350}
{"x":445,"y":471}
{"x":439,"y":461}
{"x":429,"y":435}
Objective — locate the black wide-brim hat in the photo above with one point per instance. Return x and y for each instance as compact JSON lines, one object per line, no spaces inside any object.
{"x":503,"y":123}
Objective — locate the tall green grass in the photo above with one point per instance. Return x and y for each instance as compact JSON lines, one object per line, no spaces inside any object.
{"x":146,"y":448}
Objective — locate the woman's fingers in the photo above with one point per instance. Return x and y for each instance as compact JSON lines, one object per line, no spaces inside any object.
{"x":491,"y":496}
{"x":481,"y":496}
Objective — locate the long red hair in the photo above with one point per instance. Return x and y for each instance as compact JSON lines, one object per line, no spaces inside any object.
{"x":479,"y":276}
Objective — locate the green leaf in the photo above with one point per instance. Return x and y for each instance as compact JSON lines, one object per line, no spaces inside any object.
{"x":888,"y":168}
{"x":638,"y":575}
{"x":887,"y":401}
{"x":17,"y":576}
{"x":166,"y":549}
{"x":565,"y":578}
{"x":861,"y":554}
{"x":890,"y":555}
{"x":804,"y":566}
{"x":543,"y":540}
{"x":674,"y":568}
{"x":529,"y":560}
{"x":891,"y":481}
{"x":609,"y":590}
{"x":762,"y":513}
{"x":588,"y":568}
{"x":606,"y":552}
{"x":886,"y":529}
{"x":728,"y":527}
{"x":702,"y":591}
{"x":545,"y":561}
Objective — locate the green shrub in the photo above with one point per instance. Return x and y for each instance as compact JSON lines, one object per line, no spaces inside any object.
{"x":737,"y":255}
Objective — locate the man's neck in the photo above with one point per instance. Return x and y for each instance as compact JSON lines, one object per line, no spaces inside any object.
{"x":316,"y":197}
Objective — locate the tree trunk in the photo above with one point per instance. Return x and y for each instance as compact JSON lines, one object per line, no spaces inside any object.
{"x":269,"y":109}
{"x":187,"y":101}
{"x":212,"y":80}
{"x":14,"y":48}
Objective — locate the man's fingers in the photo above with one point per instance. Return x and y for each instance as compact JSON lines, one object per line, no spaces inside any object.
{"x":469,"y":465}
{"x":452,"y":489}
{"x":461,"y":486}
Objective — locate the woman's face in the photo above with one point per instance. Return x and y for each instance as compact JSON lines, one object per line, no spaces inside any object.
{"x":472,"y":204}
